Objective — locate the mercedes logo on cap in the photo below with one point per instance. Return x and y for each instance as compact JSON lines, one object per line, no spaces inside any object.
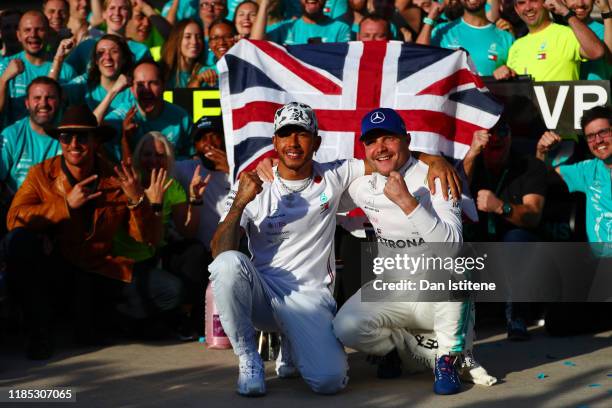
{"x":377,"y":117}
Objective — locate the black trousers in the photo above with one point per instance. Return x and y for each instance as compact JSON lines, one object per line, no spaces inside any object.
{"x":42,"y":282}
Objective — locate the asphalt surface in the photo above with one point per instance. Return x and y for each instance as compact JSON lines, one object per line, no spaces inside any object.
{"x":543,"y":372}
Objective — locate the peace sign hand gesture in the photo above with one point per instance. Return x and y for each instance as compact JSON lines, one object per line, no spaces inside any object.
{"x":81,"y":194}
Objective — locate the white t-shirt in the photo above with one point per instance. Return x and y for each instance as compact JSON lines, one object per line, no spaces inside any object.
{"x":214,"y":196}
{"x":291,"y":235}
{"x":434,"y":220}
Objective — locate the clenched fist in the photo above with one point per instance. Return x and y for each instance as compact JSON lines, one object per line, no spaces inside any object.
{"x":479,"y":142}
{"x":397,"y":191}
{"x":14,"y":68}
{"x":487,"y":201}
{"x":122,"y":82}
{"x":64,"y":48}
{"x":250,"y":186}
{"x":504,"y":72}
{"x":548,"y":140}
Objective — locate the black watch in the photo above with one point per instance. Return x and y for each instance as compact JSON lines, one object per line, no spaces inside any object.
{"x":607,"y":14}
{"x":506,"y":209}
{"x":569,"y":15}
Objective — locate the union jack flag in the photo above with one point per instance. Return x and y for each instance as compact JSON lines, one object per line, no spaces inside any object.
{"x":435,"y":90}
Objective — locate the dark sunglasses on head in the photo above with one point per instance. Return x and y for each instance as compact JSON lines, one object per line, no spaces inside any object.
{"x":66,"y":138}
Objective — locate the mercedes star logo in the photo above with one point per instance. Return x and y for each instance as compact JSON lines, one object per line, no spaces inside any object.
{"x":377,"y":117}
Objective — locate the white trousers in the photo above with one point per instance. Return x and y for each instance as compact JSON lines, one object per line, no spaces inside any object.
{"x":245,"y":300}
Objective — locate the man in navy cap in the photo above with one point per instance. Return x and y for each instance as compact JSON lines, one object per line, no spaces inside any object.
{"x":405,"y":214}
{"x":210,"y":159}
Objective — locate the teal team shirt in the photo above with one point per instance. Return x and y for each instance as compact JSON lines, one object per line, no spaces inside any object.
{"x":80,"y":92}
{"x":599,"y":69}
{"x":81,"y":56}
{"x":183,"y":79}
{"x":186,"y":9}
{"x":335,"y":8}
{"x":293,"y":32}
{"x":17,"y":86}
{"x":592,"y":178}
{"x":173,"y":122}
{"x":21,"y":148}
{"x":488,"y":46}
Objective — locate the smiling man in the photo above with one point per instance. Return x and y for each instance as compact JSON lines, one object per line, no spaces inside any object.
{"x":26,"y":142}
{"x":401,"y":207}
{"x":591,"y":177}
{"x":312,"y":27}
{"x":58,"y":13}
{"x":550,"y":52}
{"x":62,"y":221}
{"x":18,"y":70}
{"x":287,"y":284}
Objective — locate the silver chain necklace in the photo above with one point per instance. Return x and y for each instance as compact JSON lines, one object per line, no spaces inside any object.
{"x":290,"y":189}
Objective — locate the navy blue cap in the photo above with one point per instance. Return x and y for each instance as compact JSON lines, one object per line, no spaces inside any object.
{"x":382,"y":119}
{"x":209,"y":123}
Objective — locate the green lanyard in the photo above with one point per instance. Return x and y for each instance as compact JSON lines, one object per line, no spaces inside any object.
{"x":491,"y":229}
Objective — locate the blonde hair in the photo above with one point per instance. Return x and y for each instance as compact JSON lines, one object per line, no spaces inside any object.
{"x":106,"y":3}
{"x":154,"y":136}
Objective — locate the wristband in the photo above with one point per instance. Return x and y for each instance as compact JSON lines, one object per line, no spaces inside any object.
{"x":157,"y":208}
{"x":569,"y":15}
{"x":429,"y":21}
{"x":607,"y":14}
{"x":131,"y":205}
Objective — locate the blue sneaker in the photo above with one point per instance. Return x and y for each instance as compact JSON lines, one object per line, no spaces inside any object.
{"x":251,"y":378}
{"x":446,"y":377}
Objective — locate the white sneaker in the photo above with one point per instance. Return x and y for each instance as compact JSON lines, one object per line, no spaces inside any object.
{"x":251,"y":377}
{"x":285,"y":367}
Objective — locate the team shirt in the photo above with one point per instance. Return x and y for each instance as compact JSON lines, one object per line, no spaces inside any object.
{"x":79,"y":92}
{"x":552,"y":54}
{"x":82,"y":54}
{"x":186,"y":9}
{"x":598,"y":69}
{"x":434,"y":220}
{"x":291,"y":235}
{"x":593,"y":178}
{"x":488,"y":45}
{"x":214,"y":196}
{"x":17,"y":86}
{"x":173,"y":122}
{"x":291,"y":8}
{"x":293,"y":32}
{"x":335,"y":8}
{"x":182,"y":80}
{"x":126,"y":246}
{"x":21,"y":148}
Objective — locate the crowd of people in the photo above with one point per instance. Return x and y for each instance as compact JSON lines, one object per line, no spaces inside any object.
{"x":119,"y":205}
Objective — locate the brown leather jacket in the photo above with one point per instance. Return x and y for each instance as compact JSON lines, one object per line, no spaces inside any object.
{"x":40,"y":205}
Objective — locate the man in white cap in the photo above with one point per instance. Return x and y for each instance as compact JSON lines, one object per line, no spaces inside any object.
{"x":286,"y":286}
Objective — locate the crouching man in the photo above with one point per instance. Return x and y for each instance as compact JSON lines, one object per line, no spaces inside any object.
{"x":400,"y":206}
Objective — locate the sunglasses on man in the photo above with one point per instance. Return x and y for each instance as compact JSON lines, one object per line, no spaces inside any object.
{"x":66,"y":138}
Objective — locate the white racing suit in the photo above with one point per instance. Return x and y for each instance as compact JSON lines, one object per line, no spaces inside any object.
{"x":419,"y":330}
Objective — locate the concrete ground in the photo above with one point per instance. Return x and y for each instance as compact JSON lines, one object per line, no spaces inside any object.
{"x":576,"y":371}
